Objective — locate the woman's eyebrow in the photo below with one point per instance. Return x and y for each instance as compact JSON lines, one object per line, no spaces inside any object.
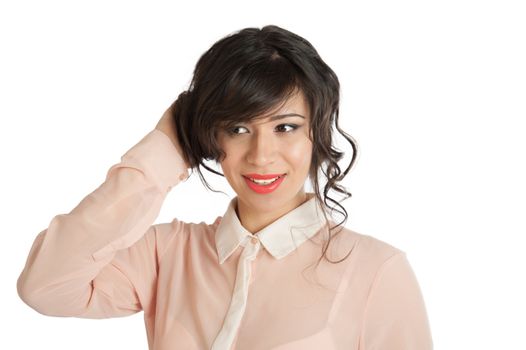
{"x":281,"y":116}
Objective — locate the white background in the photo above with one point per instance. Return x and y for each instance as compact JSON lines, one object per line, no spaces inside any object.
{"x":433,"y":92}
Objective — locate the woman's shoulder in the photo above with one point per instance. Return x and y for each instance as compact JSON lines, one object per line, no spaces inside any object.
{"x":186,"y":229}
{"x":184,"y":235}
{"x":364,"y":246}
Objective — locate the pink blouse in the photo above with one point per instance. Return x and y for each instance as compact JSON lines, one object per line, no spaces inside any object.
{"x":218,"y":286}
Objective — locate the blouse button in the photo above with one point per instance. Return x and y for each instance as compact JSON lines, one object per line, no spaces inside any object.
{"x":254,"y":240}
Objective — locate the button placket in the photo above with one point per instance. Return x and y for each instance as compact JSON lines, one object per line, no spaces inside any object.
{"x":237,"y":306}
{"x":254,"y":241}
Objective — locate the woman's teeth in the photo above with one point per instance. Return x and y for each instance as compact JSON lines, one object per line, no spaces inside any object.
{"x":264,"y":182}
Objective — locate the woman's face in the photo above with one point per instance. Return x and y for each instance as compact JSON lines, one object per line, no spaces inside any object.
{"x":278,"y":145}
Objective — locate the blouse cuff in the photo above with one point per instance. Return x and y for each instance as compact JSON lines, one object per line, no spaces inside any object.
{"x":160,"y":160}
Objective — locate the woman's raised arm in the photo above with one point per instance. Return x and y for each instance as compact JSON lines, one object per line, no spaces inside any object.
{"x":100,"y":260}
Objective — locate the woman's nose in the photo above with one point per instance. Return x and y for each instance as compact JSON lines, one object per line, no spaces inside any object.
{"x":262,"y":150}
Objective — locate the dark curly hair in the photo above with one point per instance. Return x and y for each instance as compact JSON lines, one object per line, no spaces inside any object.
{"x":249,"y":73}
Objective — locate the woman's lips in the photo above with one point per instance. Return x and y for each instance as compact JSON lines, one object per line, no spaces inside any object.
{"x":261,"y":188}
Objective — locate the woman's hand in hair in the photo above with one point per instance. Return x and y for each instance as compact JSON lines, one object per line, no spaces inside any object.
{"x":167,"y":125}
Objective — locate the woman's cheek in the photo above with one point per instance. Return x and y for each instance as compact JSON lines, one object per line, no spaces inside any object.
{"x":298,"y":151}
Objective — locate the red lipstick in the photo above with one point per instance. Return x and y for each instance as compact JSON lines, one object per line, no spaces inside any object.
{"x":262,"y":188}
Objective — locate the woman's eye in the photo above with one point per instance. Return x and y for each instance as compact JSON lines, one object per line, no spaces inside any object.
{"x":235,"y":130}
{"x":283,"y":127}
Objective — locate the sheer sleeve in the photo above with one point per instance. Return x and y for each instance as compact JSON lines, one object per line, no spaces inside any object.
{"x":100,"y":259}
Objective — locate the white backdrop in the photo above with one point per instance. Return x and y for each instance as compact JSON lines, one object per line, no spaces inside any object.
{"x":434,"y":93}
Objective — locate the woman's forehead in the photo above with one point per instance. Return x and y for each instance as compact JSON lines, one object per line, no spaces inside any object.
{"x":295,"y":106}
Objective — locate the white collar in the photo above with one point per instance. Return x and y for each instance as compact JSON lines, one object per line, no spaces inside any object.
{"x":279,"y":238}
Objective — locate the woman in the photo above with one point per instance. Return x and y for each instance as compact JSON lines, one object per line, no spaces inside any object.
{"x":275,"y":271}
